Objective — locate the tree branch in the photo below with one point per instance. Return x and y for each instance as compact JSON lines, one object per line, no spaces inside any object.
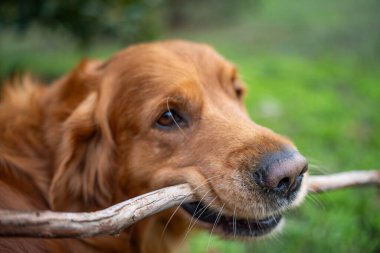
{"x":116,"y":218}
{"x":108,"y":221}
{"x":317,"y":184}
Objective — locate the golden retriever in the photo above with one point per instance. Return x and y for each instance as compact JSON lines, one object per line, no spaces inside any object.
{"x":154,"y":115}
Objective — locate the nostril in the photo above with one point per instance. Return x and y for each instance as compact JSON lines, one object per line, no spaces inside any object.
{"x":282,"y":172}
{"x":283,"y":185}
{"x":304,"y":170}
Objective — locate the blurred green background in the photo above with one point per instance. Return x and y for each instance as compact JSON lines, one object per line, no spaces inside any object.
{"x":312,"y":70}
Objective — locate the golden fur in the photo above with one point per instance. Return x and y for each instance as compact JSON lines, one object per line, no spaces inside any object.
{"x":88,"y":141}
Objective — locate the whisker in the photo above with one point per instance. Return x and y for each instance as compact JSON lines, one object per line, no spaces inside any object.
{"x":316,"y":169}
{"x":234,"y":222}
{"x":195,"y":212}
{"x":315,"y":166}
{"x":196,"y":220}
{"x":175,"y":211}
{"x":236,"y":179}
{"x":275,"y":237}
{"x":167,"y":106}
{"x":312,"y":160}
{"x":249,"y":226}
{"x":314,"y":200}
{"x":213,"y":227}
{"x":273,"y":216}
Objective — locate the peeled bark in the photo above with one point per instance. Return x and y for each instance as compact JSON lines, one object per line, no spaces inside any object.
{"x":330,"y":182}
{"x":116,"y":218}
{"x":109,"y":221}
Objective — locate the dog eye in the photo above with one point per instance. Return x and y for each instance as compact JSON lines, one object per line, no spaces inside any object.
{"x":238,"y":89}
{"x":170,"y":119}
{"x":239,"y":92}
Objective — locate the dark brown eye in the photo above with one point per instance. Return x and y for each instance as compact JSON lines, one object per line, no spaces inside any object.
{"x":239,"y":92}
{"x":170,"y":119}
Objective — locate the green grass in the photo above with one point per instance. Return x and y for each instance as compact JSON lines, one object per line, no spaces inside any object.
{"x":313,"y":75}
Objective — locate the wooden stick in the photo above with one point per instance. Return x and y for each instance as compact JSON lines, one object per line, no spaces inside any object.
{"x":116,"y":218}
{"x":109,"y":221}
{"x":318,"y":184}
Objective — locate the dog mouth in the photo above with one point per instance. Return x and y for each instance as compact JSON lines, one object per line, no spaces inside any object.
{"x":229,"y":225}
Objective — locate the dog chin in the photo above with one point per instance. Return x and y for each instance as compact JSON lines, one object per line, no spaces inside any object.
{"x":275,"y":231}
{"x":232,"y":227}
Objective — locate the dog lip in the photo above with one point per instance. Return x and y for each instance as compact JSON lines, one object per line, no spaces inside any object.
{"x":228,"y":225}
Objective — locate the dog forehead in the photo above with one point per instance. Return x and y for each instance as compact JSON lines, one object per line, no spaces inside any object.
{"x":169,"y":60}
{"x":153,"y":72}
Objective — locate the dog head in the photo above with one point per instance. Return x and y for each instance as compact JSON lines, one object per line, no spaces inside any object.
{"x":172,"y":112}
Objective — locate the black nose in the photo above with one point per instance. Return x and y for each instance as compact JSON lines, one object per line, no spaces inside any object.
{"x":281,"y":171}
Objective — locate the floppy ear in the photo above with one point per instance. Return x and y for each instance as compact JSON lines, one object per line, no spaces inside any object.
{"x":82,"y":181}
